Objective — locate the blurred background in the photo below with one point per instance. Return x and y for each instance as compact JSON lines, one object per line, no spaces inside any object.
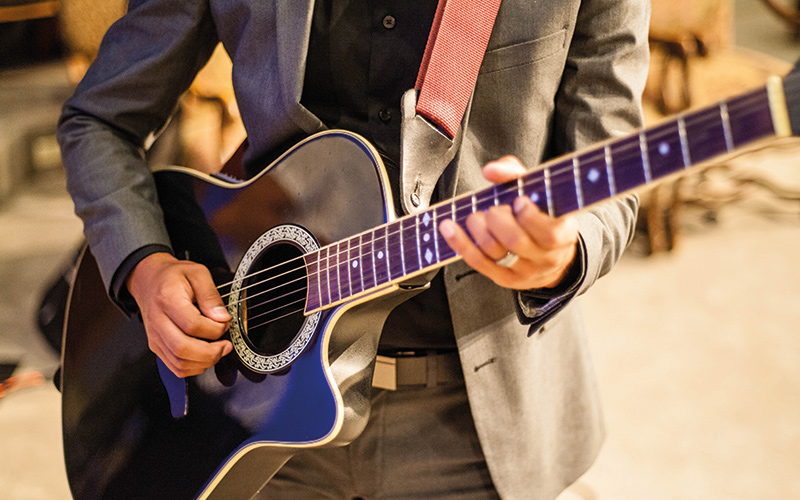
{"x":694,"y":334}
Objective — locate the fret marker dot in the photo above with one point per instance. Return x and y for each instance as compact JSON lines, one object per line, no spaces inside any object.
{"x":355,"y":264}
{"x":426,"y":238}
{"x":593,"y":175}
{"x":535,"y":197}
{"x":380,"y":254}
{"x":663,"y":149}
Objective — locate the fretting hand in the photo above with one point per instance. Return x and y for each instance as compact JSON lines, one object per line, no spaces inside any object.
{"x":517,"y":247}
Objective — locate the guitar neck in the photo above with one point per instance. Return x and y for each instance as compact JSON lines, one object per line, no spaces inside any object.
{"x":412,"y":245}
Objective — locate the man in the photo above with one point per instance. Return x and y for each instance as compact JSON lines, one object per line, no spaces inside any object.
{"x":520,"y":419}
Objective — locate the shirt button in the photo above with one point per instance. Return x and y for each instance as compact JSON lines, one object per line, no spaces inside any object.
{"x":389,"y":22}
{"x":385,"y":115}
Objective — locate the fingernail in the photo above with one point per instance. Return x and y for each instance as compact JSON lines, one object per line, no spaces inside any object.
{"x":519,"y":205}
{"x":446,"y":229}
{"x":221,"y":311}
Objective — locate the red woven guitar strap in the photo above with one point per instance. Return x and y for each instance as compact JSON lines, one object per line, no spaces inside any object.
{"x":453,"y":55}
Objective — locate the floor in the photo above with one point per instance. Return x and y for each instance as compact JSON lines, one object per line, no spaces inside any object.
{"x":696,"y":350}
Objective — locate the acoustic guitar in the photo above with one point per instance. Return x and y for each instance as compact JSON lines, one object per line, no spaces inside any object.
{"x":311,"y":258}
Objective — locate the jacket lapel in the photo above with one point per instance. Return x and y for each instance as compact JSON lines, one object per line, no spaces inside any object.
{"x":292,"y":36}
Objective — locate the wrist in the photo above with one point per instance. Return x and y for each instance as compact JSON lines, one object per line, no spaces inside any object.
{"x":146,"y":269}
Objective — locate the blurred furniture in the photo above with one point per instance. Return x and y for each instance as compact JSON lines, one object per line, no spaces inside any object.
{"x":693,"y":63}
{"x":209,"y":128}
{"x":30,"y":98}
{"x":682,"y":30}
{"x":20,"y":10}
{"x":788,"y":12}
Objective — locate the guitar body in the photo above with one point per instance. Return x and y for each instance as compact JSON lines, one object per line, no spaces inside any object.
{"x":311,"y":261}
{"x":245,"y":418}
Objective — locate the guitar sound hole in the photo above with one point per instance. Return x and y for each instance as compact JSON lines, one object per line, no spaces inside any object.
{"x":273,"y":298}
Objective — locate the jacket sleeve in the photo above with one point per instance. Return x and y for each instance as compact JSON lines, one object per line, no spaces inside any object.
{"x":599,"y":97}
{"x":146,"y":61}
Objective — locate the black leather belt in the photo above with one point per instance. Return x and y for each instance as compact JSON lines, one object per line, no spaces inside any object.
{"x":426,"y":369}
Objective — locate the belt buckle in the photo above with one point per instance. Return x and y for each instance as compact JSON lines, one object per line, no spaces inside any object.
{"x":385,"y":376}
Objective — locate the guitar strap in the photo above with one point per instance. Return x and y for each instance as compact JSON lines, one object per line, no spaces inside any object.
{"x":432,"y":112}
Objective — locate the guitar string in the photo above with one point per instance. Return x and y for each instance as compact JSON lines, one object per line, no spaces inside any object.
{"x":701,"y":116}
{"x":621,"y":154}
{"x":281,"y":316}
{"x":272,"y":320}
{"x":250,"y":318}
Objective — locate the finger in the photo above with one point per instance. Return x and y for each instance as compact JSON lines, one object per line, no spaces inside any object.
{"x":187,"y":317}
{"x":179,"y":366}
{"x":546,"y":232}
{"x":461,"y":243}
{"x":181,"y":369}
{"x":206,"y":294}
{"x":503,"y":170}
{"x":507,"y":231}
{"x":481,"y":234}
{"x":188,"y":367}
{"x":185,"y":351}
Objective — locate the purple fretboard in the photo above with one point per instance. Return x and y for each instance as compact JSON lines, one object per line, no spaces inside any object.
{"x":412,"y":245}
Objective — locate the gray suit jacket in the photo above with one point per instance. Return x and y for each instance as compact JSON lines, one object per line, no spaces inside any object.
{"x":557,"y":76}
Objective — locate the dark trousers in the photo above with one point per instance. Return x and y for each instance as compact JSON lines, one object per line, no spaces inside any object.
{"x":420,"y":443}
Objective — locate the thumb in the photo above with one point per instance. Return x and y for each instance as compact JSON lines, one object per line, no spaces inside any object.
{"x":504,"y":169}
{"x":207,"y":296}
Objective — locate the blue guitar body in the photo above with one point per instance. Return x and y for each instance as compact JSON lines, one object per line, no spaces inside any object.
{"x":247,"y":417}
{"x":314,"y":261}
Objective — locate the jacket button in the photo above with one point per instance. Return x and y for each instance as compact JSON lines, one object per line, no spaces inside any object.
{"x":385,"y":115}
{"x":389,"y":22}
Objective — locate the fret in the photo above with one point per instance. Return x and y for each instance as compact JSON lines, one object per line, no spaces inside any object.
{"x":726,"y":125}
{"x":355,"y":265}
{"x":411,"y":258}
{"x":534,"y":189}
{"x":594,"y":177}
{"x":564,"y":198}
{"x":548,"y":191}
{"x":394,"y":251}
{"x":612,"y":186}
{"x":648,"y":175}
{"x":664,"y":149}
{"x":333,"y":275}
{"x":416,"y":238}
{"x":380,"y":262}
{"x":462,"y":208}
{"x":483,"y":200}
{"x":313,"y":288}
{"x":576,"y":173}
{"x":344,"y":270}
{"x":687,"y":160}
{"x":435,"y":233}
{"x":626,"y":160}
{"x":427,"y":238}
{"x":750,"y":117}
{"x":706,"y":134}
{"x":368,"y":277}
{"x":411,"y":244}
{"x":507,"y":192}
{"x":444,"y":211}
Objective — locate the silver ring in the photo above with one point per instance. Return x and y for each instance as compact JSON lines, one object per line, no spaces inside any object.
{"x":507,"y":260}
